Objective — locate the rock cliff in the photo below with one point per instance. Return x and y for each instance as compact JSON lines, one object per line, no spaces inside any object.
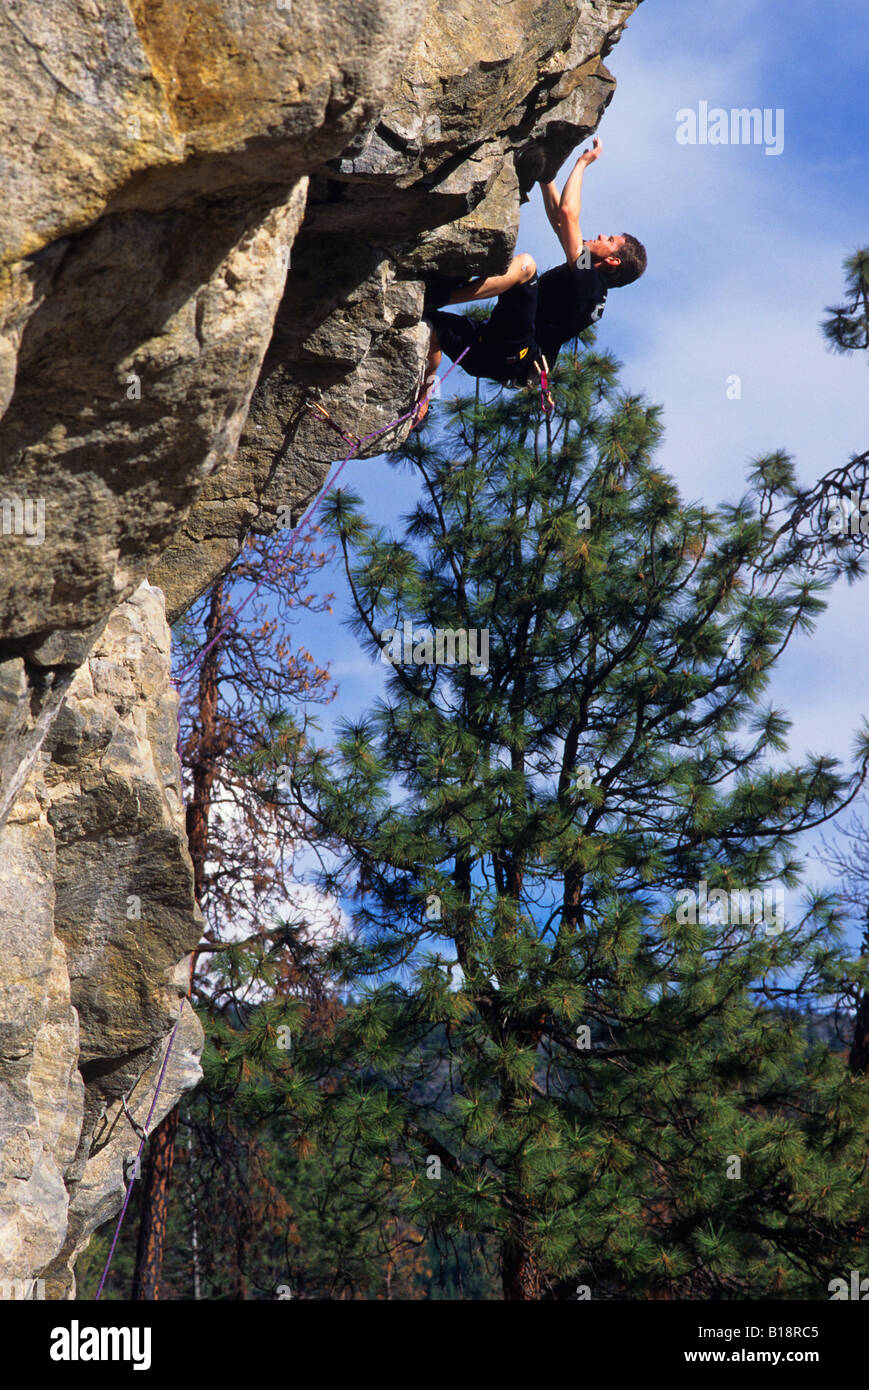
{"x":214,"y":211}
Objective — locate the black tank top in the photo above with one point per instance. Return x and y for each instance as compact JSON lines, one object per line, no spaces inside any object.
{"x":569,"y":299}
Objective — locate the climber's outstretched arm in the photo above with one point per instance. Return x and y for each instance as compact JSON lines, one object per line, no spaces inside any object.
{"x":552,"y":204}
{"x":564,"y":212}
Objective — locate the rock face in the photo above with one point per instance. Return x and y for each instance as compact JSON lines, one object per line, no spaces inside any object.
{"x":215,"y":212}
{"x":98,"y":913}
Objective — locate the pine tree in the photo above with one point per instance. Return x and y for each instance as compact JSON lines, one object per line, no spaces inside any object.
{"x":557,"y":1050}
{"x":847,"y":328}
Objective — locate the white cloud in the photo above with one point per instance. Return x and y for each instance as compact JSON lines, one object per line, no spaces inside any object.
{"x":323,"y":917}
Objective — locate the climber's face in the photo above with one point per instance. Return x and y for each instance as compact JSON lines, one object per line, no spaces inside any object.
{"x":604,"y":248}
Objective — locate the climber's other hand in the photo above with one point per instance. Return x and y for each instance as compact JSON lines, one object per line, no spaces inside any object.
{"x":589,"y":156}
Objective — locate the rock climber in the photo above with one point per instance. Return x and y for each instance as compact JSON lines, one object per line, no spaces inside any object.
{"x":535,"y":316}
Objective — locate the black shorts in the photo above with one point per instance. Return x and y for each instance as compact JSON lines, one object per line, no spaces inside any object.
{"x":504,"y":349}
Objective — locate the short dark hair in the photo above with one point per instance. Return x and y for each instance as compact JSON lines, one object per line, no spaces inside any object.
{"x":632,"y":258}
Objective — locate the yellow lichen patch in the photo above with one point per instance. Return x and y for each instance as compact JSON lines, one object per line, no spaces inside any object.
{"x":208,"y":73}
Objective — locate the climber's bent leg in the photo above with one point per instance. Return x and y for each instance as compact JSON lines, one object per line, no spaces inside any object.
{"x":452,"y":333}
{"x":503,"y":349}
{"x":521,"y":269}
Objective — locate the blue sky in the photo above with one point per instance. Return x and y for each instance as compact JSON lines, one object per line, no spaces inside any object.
{"x":745,"y":251}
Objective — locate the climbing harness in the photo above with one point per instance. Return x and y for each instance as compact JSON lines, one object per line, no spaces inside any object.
{"x":518,"y":379}
{"x":515,"y":369}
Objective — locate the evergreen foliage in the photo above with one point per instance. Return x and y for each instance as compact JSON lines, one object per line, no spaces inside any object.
{"x":551,"y":1054}
{"x":847,"y":328}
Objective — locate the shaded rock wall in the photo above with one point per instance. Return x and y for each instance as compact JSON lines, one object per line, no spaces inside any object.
{"x":97,"y":916}
{"x":215,"y":211}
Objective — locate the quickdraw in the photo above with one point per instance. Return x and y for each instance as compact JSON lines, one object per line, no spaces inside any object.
{"x":139,"y":1130}
{"x":320,"y":412}
{"x":547,"y":402}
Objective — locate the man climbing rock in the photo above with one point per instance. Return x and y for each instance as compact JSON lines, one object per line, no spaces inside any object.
{"x":535,"y":316}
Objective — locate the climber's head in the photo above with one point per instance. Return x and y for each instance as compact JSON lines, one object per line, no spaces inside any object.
{"x":622,"y":259}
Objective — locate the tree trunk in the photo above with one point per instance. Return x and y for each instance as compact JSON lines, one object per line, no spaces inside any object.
{"x":520,"y":1275}
{"x":155,"y":1209}
{"x":161,"y":1145}
{"x":194,"y":1221}
{"x":203,"y":770}
{"x":858,"y":1058}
